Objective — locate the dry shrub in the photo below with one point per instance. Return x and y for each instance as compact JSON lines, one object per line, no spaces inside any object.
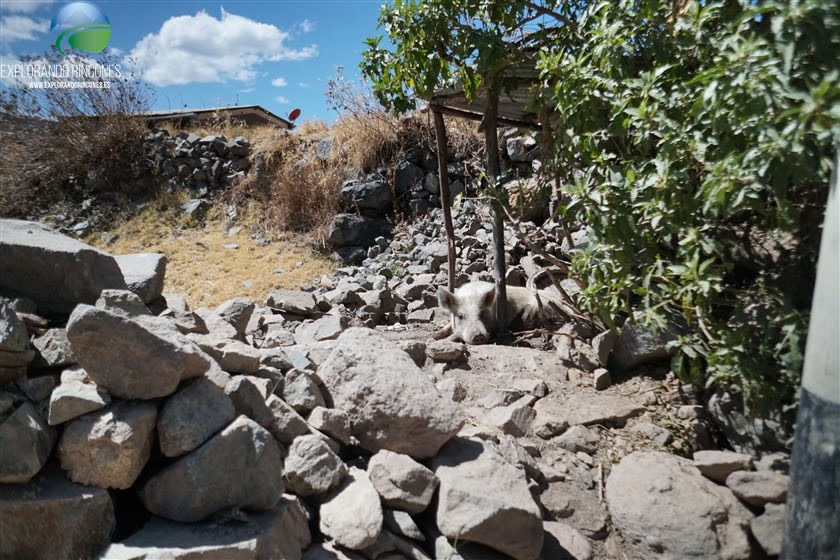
{"x":59,"y":144}
{"x":299,"y":189}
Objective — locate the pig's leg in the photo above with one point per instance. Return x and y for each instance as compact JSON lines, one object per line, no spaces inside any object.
{"x":445,"y":332}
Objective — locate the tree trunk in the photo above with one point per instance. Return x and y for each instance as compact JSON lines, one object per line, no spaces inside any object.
{"x":443,"y":181}
{"x":491,"y":143}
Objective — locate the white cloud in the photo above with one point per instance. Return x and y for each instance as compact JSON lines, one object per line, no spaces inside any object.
{"x":303,"y":84}
{"x":282,"y":100}
{"x":279,"y":82}
{"x":307,"y":26}
{"x":201,"y":48}
{"x":22,"y":28}
{"x":24,"y":6}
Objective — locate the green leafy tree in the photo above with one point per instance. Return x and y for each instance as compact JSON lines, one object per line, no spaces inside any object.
{"x":473,"y":43}
{"x":695,"y":140}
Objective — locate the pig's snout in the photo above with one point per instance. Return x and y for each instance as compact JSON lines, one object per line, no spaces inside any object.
{"x":475,"y":336}
{"x":478,"y":339}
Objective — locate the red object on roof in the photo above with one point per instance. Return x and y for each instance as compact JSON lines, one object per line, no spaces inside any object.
{"x":294,"y":114}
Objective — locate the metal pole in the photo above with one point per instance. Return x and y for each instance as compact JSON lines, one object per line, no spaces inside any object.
{"x":812,"y":530}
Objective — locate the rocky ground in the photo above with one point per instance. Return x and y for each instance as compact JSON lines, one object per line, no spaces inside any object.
{"x":328,"y":422}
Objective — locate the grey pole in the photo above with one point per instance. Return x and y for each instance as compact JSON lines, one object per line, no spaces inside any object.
{"x":812,"y":530}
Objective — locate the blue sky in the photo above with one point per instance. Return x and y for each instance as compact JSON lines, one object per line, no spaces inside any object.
{"x":278,"y":54}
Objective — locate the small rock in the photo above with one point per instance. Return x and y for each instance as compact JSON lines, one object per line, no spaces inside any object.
{"x":54,"y":348}
{"x":760,"y":487}
{"x":562,"y":542}
{"x":237,"y":312}
{"x":293,"y":301}
{"x":122,"y":301}
{"x":192,"y":416}
{"x":717,"y":465}
{"x":513,"y":420}
{"x":602,"y":379}
{"x":332,"y":422}
{"x":769,"y":528}
{"x":445,"y":350}
{"x":352,"y":515}
{"x":311,"y":467}
{"x":450,"y":388}
{"x":25,"y":445}
{"x":301,"y":393}
{"x":535,"y":387}
{"x":325,"y":328}
{"x":72,"y":398}
{"x":578,"y":438}
{"x":401,"y":523}
{"x":654,"y":433}
{"x":402,"y":482}
{"x":603,"y":344}
{"x":232,"y":355}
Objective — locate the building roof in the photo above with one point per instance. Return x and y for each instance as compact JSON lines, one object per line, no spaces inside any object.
{"x":513,"y":104}
{"x":250,"y":114}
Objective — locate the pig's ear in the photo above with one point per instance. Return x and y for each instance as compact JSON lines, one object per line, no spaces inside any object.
{"x":446,"y":299}
{"x":489,"y":298}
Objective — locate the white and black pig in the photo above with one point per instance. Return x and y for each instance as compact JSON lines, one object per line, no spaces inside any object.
{"x":473,"y":308}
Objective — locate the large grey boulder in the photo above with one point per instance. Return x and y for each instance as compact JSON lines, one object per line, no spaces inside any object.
{"x":371,"y":196}
{"x":58,"y":272}
{"x":638,"y":344}
{"x":352,"y":229}
{"x":391,"y":403}
{"x":665,"y":508}
{"x":281,"y":533}
{"x":352,"y":515}
{"x":53,"y":518}
{"x":402,"y":482}
{"x":54,"y":270}
{"x":14,"y":339}
{"x":239,"y":467}
{"x":143,"y":273}
{"x":25,"y":444}
{"x":485,"y":499}
{"x":141,"y":358}
{"x":311,"y":466}
{"x":109,"y":447}
{"x":192,"y":416}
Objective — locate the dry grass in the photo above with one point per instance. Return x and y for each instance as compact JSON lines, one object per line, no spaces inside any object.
{"x":202,"y":268}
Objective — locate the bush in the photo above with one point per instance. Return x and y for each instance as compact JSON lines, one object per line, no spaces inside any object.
{"x":697,"y":147}
{"x":58,"y":144}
